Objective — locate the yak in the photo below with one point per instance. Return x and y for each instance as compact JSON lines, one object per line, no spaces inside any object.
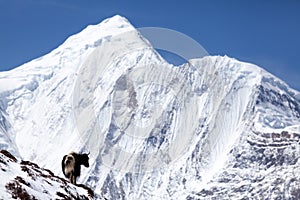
{"x":71,"y":165}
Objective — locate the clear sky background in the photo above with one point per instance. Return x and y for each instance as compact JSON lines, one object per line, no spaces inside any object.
{"x":266,"y":33}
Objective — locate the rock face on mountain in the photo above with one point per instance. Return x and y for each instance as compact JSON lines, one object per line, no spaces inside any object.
{"x":213,"y":128}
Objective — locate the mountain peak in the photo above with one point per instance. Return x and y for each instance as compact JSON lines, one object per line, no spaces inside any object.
{"x":117,"y":19}
{"x":77,"y":47}
{"x":107,"y":28}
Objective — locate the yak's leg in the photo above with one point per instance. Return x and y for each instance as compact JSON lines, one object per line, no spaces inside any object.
{"x":73,"y":180}
{"x":69,"y":176}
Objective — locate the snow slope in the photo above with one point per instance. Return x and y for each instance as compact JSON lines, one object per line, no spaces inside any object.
{"x":214,"y":128}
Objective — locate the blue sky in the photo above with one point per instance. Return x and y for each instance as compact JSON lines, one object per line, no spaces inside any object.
{"x":266,"y":33}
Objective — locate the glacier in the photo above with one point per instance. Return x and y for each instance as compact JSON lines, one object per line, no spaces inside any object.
{"x":213,"y":128}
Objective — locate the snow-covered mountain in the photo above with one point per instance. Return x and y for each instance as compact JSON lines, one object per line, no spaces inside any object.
{"x":213,"y":128}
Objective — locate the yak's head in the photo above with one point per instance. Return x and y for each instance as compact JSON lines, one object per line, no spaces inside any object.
{"x":69,"y":159}
{"x":85,"y":159}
